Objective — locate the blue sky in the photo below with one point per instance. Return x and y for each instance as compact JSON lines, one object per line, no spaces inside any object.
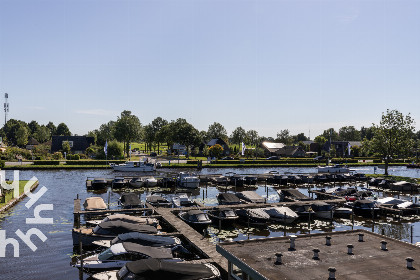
{"x":263,"y":65}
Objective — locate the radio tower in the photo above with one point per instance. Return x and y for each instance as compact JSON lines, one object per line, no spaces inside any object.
{"x":6,"y":107}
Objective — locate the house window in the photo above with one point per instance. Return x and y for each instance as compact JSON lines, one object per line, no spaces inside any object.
{"x":70,"y":143}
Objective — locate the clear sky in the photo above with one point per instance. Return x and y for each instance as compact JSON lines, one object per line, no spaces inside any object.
{"x":263,"y":65}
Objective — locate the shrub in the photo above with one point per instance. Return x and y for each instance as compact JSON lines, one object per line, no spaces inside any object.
{"x":57,"y":156}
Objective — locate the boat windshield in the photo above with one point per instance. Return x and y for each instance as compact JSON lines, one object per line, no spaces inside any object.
{"x":367,"y":205}
{"x":229,"y":213}
{"x":105,"y":255}
{"x":201,"y":217}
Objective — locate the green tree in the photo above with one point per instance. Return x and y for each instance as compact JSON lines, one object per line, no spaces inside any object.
{"x":300,"y":137}
{"x":252,"y":137}
{"x":366,"y":132}
{"x":392,"y":137}
{"x":330,"y":133}
{"x":349,"y":133}
{"x":115,"y":149}
{"x":238,"y":135}
{"x":10,"y":129}
{"x":33,"y":127}
{"x":148,"y":136}
{"x":66,"y":147}
{"x":184,"y":133}
{"x":128,"y":129}
{"x":105,"y":133}
{"x":53,"y":129}
{"x":284,"y":137}
{"x":63,"y":130}
{"x":157,"y":124}
{"x":42,"y":134}
{"x":216,"y":130}
{"x":22,"y":135}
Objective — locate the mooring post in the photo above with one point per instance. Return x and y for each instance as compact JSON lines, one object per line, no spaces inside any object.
{"x":411,"y":235}
{"x":81,"y":256}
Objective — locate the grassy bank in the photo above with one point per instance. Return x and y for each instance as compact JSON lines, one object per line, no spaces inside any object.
{"x":8,"y":196}
{"x":395,"y":178}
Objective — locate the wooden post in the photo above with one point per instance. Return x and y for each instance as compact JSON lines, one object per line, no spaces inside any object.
{"x":81,"y":256}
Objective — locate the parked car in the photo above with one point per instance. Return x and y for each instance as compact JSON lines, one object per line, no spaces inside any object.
{"x":228,"y":158}
{"x":273,"y":158}
{"x":319,"y":158}
{"x":153,"y":154}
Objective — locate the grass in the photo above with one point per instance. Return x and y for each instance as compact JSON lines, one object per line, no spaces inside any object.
{"x":8,"y":195}
{"x":395,"y":178}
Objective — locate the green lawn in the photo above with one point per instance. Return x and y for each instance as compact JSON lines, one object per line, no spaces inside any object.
{"x":9,"y":194}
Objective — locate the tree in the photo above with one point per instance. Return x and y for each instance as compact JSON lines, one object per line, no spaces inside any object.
{"x":301,"y":137}
{"x":216,"y":130}
{"x":10,"y":129}
{"x":284,"y":137}
{"x":115,"y":149}
{"x":157,"y":125}
{"x":216,"y":150}
{"x":330,"y":133}
{"x":251,"y":137}
{"x":63,"y":130}
{"x":66,"y":147}
{"x":148,"y":136}
{"x":184,"y":133}
{"x":42,"y":134}
{"x":52,"y":128}
{"x":238,"y":135}
{"x":33,"y":127}
{"x":392,"y":137}
{"x":22,"y":135}
{"x":127,"y":129}
{"x":105,"y":133}
{"x":320,"y":140}
{"x":349,"y":133}
{"x":366,"y":132}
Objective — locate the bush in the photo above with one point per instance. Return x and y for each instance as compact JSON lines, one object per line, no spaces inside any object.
{"x":1,"y":164}
{"x":57,"y":156}
{"x":93,"y":162}
{"x":12,"y":152}
{"x":46,"y":162}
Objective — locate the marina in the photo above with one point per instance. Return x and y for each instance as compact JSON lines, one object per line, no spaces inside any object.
{"x":73,"y":183}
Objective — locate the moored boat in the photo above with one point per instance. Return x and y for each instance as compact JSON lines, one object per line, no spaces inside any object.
{"x":223,"y":215}
{"x":195,"y":218}
{"x":251,"y":197}
{"x":130,"y":200}
{"x":134,"y":166}
{"x":333,"y":169}
{"x":187,"y":180}
{"x":281,"y":214}
{"x":252,"y":216}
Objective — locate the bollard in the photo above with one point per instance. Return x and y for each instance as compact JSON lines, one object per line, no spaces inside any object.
{"x":328,"y":240}
{"x":331,"y":271}
{"x":278,"y":258}
{"x":361,"y":235}
{"x":350,"y":249}
{"x":292,"y":242}
{"x":316,"y":254}
{"x":383,"y":245}
{"x":410,"y":263}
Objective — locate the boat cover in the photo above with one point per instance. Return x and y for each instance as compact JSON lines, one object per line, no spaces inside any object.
{"x":151,"y":269}
{"x":118,"y":227}
{"x":130,"y":199}
{"x":228,"y":197}
{"x":147,"y":239}
{"x":151,"y":252}
{"x":296,"y":194}
{"x":94,"y":203}
{"x":280,"y":212}
{"x":251,"y":196}
{"x":156,"y":199}
{"x":131,"y":219}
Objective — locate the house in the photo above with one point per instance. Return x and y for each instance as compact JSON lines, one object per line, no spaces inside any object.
{"x":270,"y":148}
{"x":178,"y":149}
{"x":32,"y":143}
{"x":291,"y":151}
{"x":341,"y":147}
{"x":221,"y":142}
{"x":78,"y":144}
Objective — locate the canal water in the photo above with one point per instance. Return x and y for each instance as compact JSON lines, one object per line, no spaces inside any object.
{"x":51,"y":258}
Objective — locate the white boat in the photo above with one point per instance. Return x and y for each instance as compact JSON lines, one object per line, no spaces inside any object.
{"x":333,"y":169}
{"x":150,"y":182}
{"x":322,"y":210}
{"x":281,"y":214}
{"x":187,"y":180}
{"x":134,"y":166}
{"x":136,"y":182}
{"x":182,"y":200}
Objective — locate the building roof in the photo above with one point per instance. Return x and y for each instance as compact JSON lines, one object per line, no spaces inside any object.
{"x":289,"y":150}
{"x":215,"y":141}
{"x":257,"y":257}
{"x":271,"y":146}
{"x":33,"y":142}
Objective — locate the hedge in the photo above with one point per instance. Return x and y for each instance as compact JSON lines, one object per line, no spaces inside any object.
{"x":46,"y":162}
{"x":93,"y":162}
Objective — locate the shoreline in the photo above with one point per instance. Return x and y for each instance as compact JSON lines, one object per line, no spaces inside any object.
{"x":14,"y":201}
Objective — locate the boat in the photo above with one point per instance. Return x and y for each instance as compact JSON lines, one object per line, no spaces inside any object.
{"x":292,"y":195}
{"x":220,"y":180}
{"x":98,"y":184}
{"x":195,"y":218}
{"x":108,"y":231}
{"x":365,"y":208}
{"x":281,"y":214}
{"x":375,"y":181}
{"x":130,"y":200}
{"x":403,"y":186}
{"x":337,"y":168}
{"x":253,"y":216}
{"x":94,"y":204}
{"x":304,"y":210}
{"x":250,"y":180}
{"x":142,"y":220}
{"x":228,"y":199}
{"x":119,"y":183}
{"x":343,"y":212}
{"x":150,"y":181}
{"x":322,"y":210}
{"x":119,"y":254}
{"x":151,"y":269}
{"x":223,"y":215}
{"x":158,"y":200}
{"x":187,"y":180}
{"x":142,"y":239}
{"x":136,"y":182}
{"x":236,"y":180}
{"x":134,"y":166}
{"x":182,"y":200}
{"x":396,"y":203}
{"x":251,"y":197}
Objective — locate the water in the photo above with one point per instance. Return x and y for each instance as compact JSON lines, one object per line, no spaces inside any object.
{"x":51,"y":260}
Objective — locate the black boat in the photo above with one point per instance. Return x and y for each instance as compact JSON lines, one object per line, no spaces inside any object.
{"x":251,"y":196}
{"x":152,"y":269}
{"x":158,"y":200}
{"x":119,"y":183}
{"x":375,"y":181}
{"x":292,"y":195}
{"x":365,"y":208}
{"x":130,"y":200}
{"x":224,"y":215}
{"x":304,"y":210}
{"x":250,"y":180}
{"x":195,"y":218}
{"x":236,"y":180}
{"x":98,"y":184}
{"x":228,"y":199}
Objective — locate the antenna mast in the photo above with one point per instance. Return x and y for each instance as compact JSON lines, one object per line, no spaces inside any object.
{"x":6,"y":107}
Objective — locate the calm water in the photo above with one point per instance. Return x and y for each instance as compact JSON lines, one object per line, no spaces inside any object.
{"x":51,"y":260}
